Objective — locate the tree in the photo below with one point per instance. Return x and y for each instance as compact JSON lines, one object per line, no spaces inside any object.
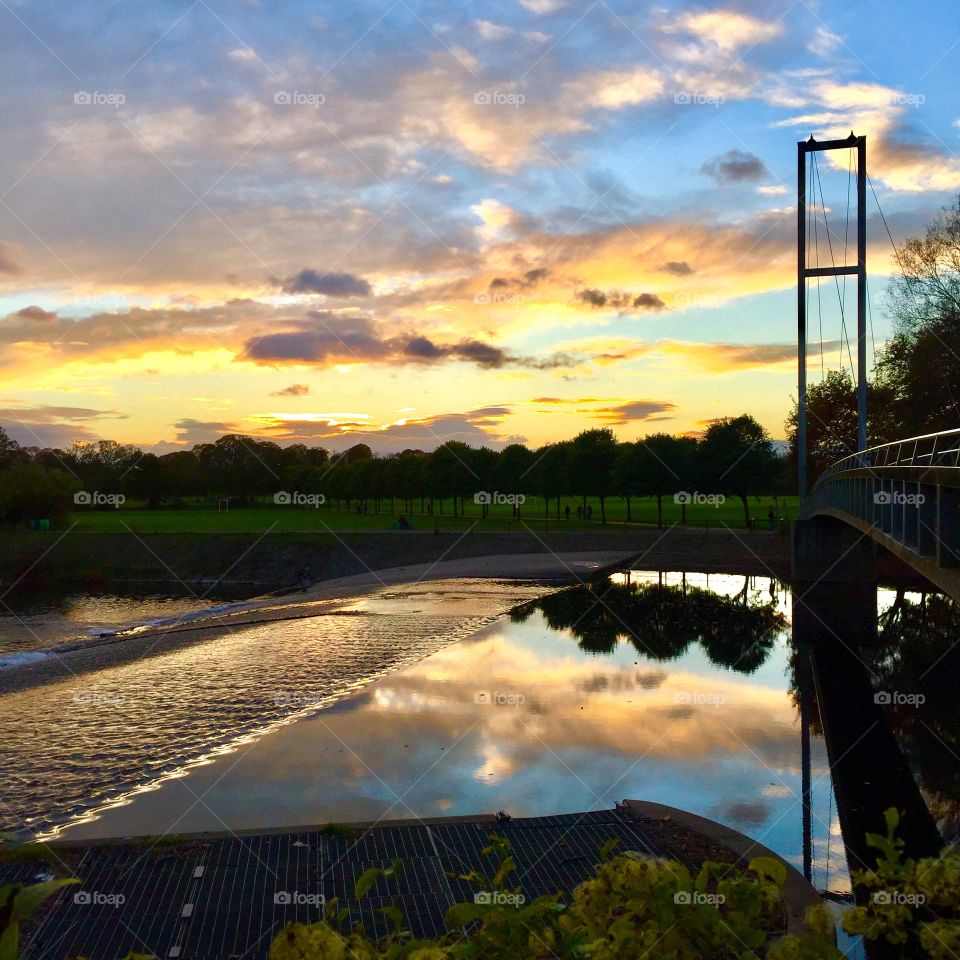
{"x":593,"y":454}
{"x":8,"y":448}
{"x":29,"y":491}
{"x":547,"y":476}
{"x":662,"y":467}
{"x":736,"y":457}
{"x":832,"y":420}
{"x":449,"y":473}
{"x":628,"y":473}
{"x":510,"y":471}
{"x":920,"y":365}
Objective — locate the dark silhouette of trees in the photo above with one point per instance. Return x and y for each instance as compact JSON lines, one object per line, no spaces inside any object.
{"x":736,"y":457}
{"x":593,"y":455}
{"x":31,"y":491}
{"x":250,"y":470}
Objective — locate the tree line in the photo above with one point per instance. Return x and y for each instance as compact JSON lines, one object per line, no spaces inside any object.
{"x":733,"y":457}
{"x":914,"y":389}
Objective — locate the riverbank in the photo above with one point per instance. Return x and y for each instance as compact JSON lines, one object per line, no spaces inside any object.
{"x":274,"y":561}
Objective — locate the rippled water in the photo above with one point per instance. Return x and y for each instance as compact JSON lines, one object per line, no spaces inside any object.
{"x":545,"y":714}
{"x":34,"y":621}
{"x":74,"y":745}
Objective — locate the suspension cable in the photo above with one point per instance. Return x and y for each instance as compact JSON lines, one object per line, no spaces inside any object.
{"x":845,"y":338}
{"x":812,"y":218}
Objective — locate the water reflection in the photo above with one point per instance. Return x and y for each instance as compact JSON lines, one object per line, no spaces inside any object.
{"x":663,"y":620}
{"x":917,"y":661}
{"x":688,"y":706}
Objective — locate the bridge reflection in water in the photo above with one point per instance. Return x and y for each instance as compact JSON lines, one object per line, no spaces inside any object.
{"x":876,"y":686}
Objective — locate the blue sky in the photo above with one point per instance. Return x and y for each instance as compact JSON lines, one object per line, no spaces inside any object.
{"x":435,"y":215}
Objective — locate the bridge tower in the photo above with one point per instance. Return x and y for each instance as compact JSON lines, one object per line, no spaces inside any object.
{"x":805,"y":272}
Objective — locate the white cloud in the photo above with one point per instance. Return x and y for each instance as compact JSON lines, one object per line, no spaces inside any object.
{"x":824,"y":42}
{"x":542,"y":6}
{"x":728,"y":29}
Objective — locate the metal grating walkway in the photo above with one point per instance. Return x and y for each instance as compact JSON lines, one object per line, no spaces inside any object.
{"x":228,"y":898}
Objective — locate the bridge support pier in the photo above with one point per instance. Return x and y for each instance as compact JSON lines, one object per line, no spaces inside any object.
{"x":834,"y":568}
{"x":834,"y":627}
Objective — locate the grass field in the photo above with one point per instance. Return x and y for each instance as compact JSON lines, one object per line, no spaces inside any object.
{"x":202,"y":518}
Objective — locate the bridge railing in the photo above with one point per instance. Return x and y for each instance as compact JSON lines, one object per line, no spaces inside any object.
{"x":930,"y":450}
{"x":907,"y":492}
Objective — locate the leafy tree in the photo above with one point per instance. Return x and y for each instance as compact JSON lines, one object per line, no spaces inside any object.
{"x":663,"y":467}
{"x":547,"y":476}
{"x":29,"y":491}
{"x":449,"y":473}
{"x":8,"y":448}
{"x":593,"y":454}
{"x":831,"y":423}
{"x":920,"y":365}
{"x":628,"y":473}
{"x":510,"y":472}
{"x":737,"y":458}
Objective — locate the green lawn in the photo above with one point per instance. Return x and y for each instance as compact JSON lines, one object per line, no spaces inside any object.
{"x":203,"y":518}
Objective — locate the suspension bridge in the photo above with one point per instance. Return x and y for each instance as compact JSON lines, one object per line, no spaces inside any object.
{"x":902,"y":496}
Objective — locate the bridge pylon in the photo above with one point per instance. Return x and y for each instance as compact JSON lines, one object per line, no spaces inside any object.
{"x":805,"y":272}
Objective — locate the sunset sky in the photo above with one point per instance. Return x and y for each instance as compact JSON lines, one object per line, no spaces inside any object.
{"x":406,"y":222}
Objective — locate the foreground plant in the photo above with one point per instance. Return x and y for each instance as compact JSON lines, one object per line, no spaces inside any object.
{"x":633,"y":906}
{"x":640,"y":906}
{"x":911,"y":903}
{"x":20,"y":903}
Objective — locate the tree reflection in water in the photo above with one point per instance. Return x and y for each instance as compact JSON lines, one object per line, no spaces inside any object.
{"x":663,"y":621}
{"x":917,"y":661}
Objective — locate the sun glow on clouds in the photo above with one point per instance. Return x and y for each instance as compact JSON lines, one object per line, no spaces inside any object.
{"x":520,"y":208}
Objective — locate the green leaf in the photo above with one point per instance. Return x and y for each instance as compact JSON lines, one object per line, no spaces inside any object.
{"x":770,"y":868}
{"x":395,"y":916}
{"x":463,"y":914}
{"x":366,"y":880}
{"x":10,"y":940}
{"x":606,"y":851}
{"x":29,"y":899}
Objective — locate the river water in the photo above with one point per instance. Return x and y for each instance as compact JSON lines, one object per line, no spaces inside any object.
{"x":459,"y":697}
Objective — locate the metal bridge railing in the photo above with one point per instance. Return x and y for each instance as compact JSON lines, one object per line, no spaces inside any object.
{"x":930,"y":450}
{"x":908,"y":490}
